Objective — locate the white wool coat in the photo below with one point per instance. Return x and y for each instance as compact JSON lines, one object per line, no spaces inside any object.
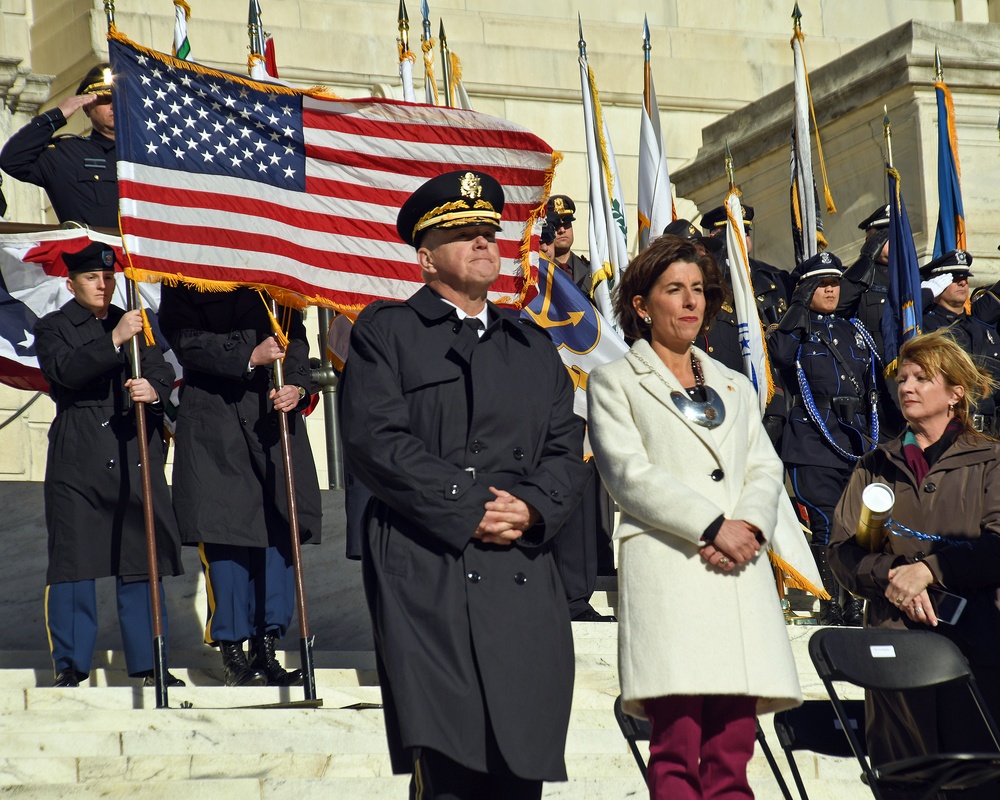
{"x":684,"y":627}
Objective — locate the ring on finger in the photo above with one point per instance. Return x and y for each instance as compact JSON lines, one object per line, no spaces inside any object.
{"x":723,"y":562}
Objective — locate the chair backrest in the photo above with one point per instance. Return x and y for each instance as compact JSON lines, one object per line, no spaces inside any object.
{"x":814,"y":726}
{"x":876,"y":658}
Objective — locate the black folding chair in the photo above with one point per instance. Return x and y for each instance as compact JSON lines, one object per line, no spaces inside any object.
{"x":637,"y":730}
{"x":900,"y":660}
{"x":815,"y":726}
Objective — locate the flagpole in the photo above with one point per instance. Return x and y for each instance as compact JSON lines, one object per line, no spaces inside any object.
{"x":449,"y":99}
{"x":730,"y":171}
{"x":887,"y":135}
{"x":403,"y":20}
{"x":149,"y":519}
{"x":646,"y":66}
{"x":305,"y":638}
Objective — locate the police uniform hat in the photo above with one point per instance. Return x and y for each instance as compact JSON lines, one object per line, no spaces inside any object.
{"x":685,"y":230}
{"x":879,"y":218}
{"x":562,"y":207}
{"x":717,"y":218}
{"x":97,"y":81}
{"x":453,"y":200}
{"x":95,"y":257}
{"x":956,"y":262}
{"x":821,"y":265}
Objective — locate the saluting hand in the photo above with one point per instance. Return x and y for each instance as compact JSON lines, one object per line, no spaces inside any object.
{"x":141,"y":390}
{"x":267,"y":352}
{"x":128,"y":326}
{"x":75,"y":102}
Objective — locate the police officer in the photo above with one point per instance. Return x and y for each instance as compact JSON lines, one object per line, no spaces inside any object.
{"x":986,"y":304}
{"x":979,"y":339}
{"x":93,"y":495}
{"x":78,"y":173}
{"x":561,"y":214}
{"x":826,"y":363}
{"x":865,"y":286}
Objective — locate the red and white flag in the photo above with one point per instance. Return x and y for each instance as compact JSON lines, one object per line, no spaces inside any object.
{"x":226,"y":180}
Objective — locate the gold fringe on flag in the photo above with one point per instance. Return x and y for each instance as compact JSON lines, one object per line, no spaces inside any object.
{"x":830,"y":207}
{"x":428,"y":48}
{"x":524,"y":253}
{"x":404,"y":56}
{"x":456,"y":74}
{"x":793,"y":578}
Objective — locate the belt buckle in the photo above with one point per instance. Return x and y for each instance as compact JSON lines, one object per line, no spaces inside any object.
{"x":471,"y":471}
{"x":979,"y":422}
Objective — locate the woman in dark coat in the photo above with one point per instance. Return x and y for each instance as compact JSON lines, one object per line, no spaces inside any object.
{"x":93,"y":491}
{"x":229,"y":480}
{"x":946,"y":480}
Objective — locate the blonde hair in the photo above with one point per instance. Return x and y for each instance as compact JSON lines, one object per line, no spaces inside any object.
{"x":938,"y":353}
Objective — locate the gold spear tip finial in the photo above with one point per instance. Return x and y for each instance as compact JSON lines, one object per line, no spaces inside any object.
{"x":645,"y":29}
{"x":885,"y":116}
{"x":441,"y":35}
{"x":404,"y":18}
{"x":797,"y":16}
{"x":938,"y":68}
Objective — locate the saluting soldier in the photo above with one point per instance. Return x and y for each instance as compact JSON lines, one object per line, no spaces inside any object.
{"x":865,"y":286}
{"x":78,"y":173}
{"x":472,"y":631}
{"x":977,"y":338}
{"x":93,"y":488}
{"x":561,"y":214}
{"x":827,"y":365}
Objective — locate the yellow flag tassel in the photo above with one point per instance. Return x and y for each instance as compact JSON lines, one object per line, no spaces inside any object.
{"x":147,"y":329}
{"x":793,"y":578}
{"x":279,"y":334}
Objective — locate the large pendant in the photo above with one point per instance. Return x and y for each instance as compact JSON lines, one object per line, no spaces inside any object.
{"x":709,"y":414}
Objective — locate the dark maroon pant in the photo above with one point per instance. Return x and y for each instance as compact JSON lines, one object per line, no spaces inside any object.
{"x":700,"y":746}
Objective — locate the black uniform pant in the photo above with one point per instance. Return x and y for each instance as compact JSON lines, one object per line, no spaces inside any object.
{"x":818,"y":490}
{"x":437,"y":777}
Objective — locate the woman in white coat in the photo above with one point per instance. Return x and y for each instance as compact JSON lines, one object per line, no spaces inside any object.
{"x":702,"y":646}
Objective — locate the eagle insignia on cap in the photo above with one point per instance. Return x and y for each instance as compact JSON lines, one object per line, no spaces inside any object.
{"x":557,"y":204}
{"x":471,"y":187}
{"x":692,"y":231}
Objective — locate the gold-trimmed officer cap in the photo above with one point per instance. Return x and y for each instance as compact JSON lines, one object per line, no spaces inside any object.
{"x":717,"y":218}
{"x":562,"y":207}
{"x":956,"y":262}
{"x":95,"y":257}
{"x":821,"y":265}
{"x":685,"y":230}
{"x":453,"y":200}
{"x":879,"y":218}
{"x":97,"y":81}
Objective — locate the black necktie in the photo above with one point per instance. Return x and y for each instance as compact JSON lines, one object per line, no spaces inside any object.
{"x":475,"y":324}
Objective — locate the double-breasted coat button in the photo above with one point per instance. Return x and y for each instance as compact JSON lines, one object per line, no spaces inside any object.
{"x":554,"y":493}
{"x":930,"y":488}
{"x":518,"y":453}
{"x":717,"y":475}
{"x":520,"y":579}
{"x":105,"y":424}
{"x":474,"y":577}
{"x":242,"y":421}
{"x":110,"y":464}
{"x":453,"y":490}
{"x":475,"y":447}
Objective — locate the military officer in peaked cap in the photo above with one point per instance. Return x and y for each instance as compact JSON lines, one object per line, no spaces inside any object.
{"x":979,"y":339}
{"x":93,"y":494}
{"x":460,"y":420}
{"x":828,"y":366}
{"x":561,"y":214}
{"x":78,"y":173}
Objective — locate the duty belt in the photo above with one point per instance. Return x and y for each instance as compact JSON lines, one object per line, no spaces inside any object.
{"x":844,"y":406}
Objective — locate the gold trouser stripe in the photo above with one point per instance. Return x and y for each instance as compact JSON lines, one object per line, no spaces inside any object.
{"x":209,"y":639}
{"x":418,"y":779}
{"x":48,"y":631}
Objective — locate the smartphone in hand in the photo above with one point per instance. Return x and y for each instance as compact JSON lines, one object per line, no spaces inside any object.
{"x":947,"y":606}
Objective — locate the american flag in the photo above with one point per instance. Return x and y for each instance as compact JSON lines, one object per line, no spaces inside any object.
{"x":223,"y":179}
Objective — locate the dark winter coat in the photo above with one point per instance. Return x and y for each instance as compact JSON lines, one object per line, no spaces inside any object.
{"x":93,"y":489}
{"x":432,"y":417}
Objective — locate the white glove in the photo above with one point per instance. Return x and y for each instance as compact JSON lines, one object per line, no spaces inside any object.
{"x":938,"y":284}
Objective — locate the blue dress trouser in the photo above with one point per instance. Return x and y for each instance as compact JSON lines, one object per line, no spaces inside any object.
{"x":71,"y":619}
{"x":251,"y":591}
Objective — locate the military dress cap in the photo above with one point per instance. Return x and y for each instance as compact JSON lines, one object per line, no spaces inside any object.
{"x":879,"y":218}
{"x":562,"y":207}
{"x":821,"y":265}
{"x":452,"y":200}
{"x":685,"y":230}
{"x":717,"y":218}
{"x":956,"y":262}
{"x":95,"y":257}
{"x":97,"y":81}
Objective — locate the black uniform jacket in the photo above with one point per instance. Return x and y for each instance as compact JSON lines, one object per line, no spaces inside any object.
{"x":432,"y":417}
{"x":229,"y":478}
{"x":79,"y":173}
{"x":579,"y":269}
{"x":849,"y":389}
{"x":977,"y":338}
{"x":93,"y":489}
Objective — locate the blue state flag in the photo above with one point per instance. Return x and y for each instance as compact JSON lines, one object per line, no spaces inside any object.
{"x":950,"y":233}
{"x":904,"y":310}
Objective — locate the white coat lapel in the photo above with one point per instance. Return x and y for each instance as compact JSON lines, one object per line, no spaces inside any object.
{"x":659,"y":381}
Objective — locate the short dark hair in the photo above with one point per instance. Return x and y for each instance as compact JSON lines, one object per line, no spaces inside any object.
{"x":647,"y":267}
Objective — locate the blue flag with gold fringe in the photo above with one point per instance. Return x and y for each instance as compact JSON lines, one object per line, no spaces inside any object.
{"x":950,"y":233}
{"x":904,"y":309}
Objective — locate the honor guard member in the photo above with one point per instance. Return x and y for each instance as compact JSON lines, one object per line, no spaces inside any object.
{"x":865,"y":285}
{"x":229,"y":477}
{"x":79,"y":173}
{"x":827,"y":365}
{"x":979,"y":339}
{"x":561,"y":213}
{"x":93,"y":487}
{"x":460,"y":419}
{"x":986,"y":304}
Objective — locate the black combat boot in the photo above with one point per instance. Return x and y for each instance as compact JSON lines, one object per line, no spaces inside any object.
{"x":831,"y":612}
{"x":235,"y":667}
{"x":263,"y":660}
{"x":854,"y":611}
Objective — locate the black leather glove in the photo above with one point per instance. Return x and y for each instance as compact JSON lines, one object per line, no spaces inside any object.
{"x":797,"y":316}
{"x":862,"y":272}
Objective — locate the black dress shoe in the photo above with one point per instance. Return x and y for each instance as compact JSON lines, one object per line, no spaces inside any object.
{"x":149,"y":679}
{"x":854,"y":612}
{"x":590,"y":614}
{"x":234,"y":664}
{"x":263,"y":659}
{"x":70,"y":678}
